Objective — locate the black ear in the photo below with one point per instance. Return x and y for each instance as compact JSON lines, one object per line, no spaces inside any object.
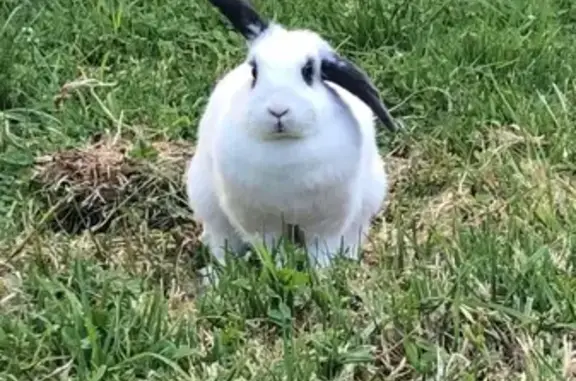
{"x":243,"y":17}
{"x":344,"y":73}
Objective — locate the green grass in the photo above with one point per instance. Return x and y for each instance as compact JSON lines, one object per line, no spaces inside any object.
{"x":470,"y":273}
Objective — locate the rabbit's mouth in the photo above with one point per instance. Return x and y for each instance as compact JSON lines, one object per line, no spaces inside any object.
{"x":281,"y":130}
{"x":279,"y":127}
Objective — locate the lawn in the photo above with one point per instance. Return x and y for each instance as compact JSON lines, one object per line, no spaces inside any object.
{"x":469,"y":272}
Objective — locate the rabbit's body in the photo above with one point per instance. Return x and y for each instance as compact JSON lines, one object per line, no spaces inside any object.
{"x":278,"y":145}
{"x":329,"y":184}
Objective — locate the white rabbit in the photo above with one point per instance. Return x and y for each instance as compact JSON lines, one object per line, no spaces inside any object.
{"x":287,"y":137}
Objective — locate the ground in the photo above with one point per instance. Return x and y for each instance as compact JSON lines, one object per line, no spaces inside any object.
{"x":469,"y":274}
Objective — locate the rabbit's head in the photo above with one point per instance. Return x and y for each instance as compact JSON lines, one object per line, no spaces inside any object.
{"x":286,"y":71}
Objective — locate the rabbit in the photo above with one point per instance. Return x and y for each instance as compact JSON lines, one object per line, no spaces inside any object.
{"x":287,"y":137}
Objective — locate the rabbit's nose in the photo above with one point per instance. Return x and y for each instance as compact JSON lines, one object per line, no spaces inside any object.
{"x":278,"y":113}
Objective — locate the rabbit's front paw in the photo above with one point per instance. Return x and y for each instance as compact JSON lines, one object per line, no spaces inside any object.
{"x":323,"y":251}
{"x":218,"y":243}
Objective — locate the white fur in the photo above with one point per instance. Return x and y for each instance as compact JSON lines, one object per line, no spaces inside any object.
{"x":323,"y":174}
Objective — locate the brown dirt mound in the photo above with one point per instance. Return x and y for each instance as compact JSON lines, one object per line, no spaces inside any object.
{"x":89,"y":186}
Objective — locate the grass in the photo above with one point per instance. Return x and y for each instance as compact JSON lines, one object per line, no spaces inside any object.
{"x":469,"y":274}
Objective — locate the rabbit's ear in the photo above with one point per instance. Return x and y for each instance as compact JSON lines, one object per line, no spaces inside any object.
{"x":344,"y":73}
{"x":243,"y":17}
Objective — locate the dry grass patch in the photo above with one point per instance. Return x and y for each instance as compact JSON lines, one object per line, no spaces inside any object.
{"x":91,"y":184}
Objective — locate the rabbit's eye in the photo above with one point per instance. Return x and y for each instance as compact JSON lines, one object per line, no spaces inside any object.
{"x":254,"y":73}
{"x":308,"y":72}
